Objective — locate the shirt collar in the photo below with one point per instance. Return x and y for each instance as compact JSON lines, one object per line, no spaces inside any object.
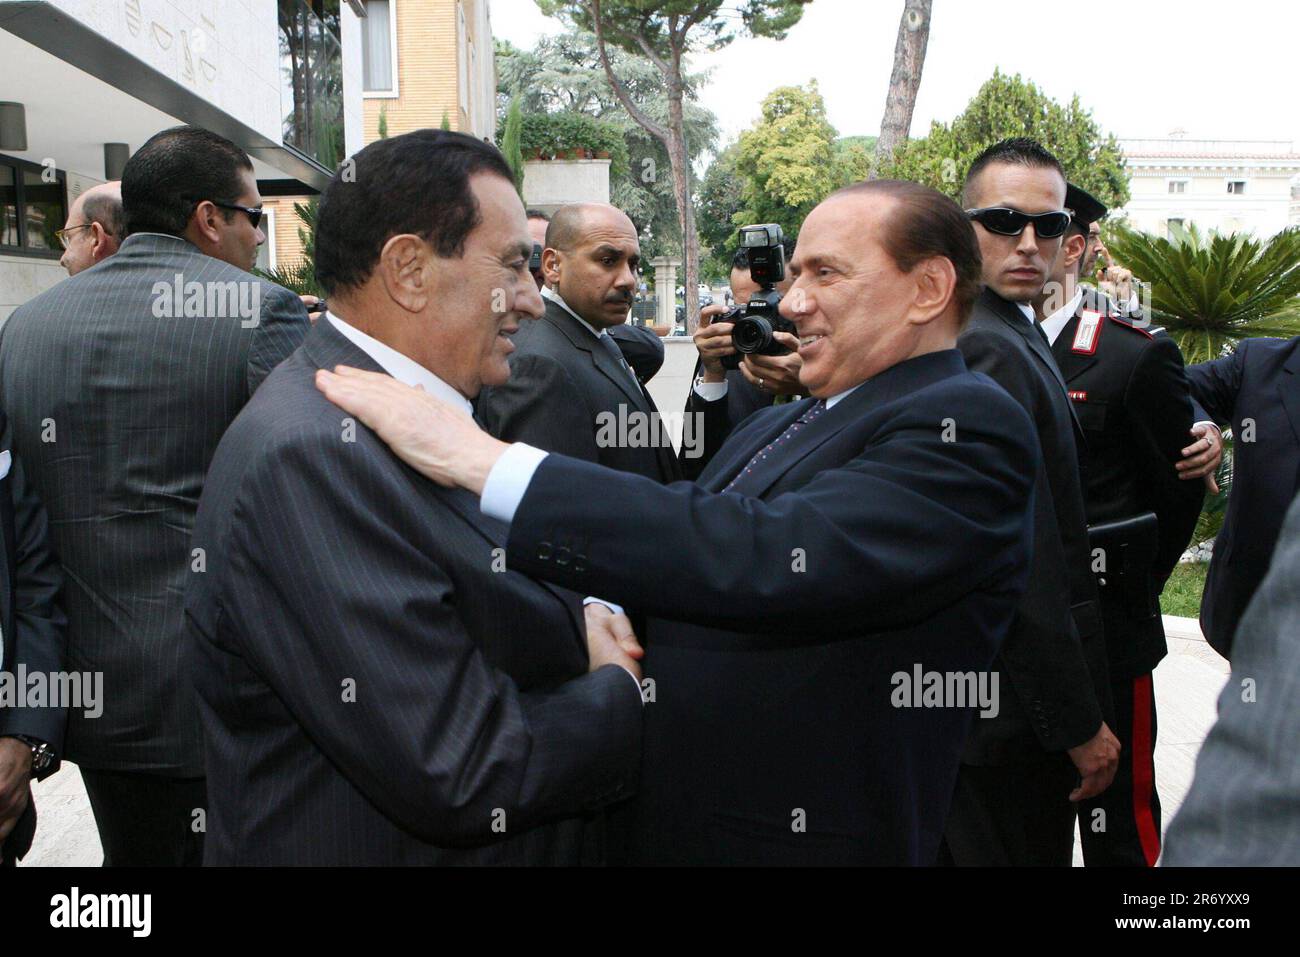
{"x":555,"y":297}
{"x":843,"y":395}
{"x":1028,"y":311}
{"x":400,"y":367}
{"x":1054,"y":323}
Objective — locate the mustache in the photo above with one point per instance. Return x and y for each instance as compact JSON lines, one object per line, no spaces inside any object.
{"x":620,"y":297}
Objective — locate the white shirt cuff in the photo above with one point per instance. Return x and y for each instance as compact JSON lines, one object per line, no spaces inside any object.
{"x":1210,"y":424}
{"x":710,"y":391}
{"x":593,"y":600}
{"x":508,"y":481}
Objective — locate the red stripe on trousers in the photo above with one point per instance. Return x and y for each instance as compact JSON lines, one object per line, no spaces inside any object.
{"x":1143,"y":770}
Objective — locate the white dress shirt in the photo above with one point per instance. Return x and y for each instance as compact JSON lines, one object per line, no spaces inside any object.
{"x":1054,"y":323}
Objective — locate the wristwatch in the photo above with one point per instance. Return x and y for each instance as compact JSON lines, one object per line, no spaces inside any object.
{"x":42,"y":754}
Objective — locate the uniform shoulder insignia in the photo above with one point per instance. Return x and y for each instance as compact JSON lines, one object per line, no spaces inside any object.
{"x":1130,"y":324}
{"x":1087,"y":333}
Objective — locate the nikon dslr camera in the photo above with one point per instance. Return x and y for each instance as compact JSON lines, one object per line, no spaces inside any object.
{"x":757,"y":320}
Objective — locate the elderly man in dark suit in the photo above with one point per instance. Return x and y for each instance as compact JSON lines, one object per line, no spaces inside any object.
{"x":1021,"y":770}
{"x":1255,"y":391}
{"x":377,"y":686}
{"x":119,"y":383}
{"x":571,"y":389}
{"x":837,"y":555}
{"x":32,"y":641}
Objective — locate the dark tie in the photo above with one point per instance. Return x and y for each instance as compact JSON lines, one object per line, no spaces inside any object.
{"x":766,"y":451}
{"x":609,"y":345}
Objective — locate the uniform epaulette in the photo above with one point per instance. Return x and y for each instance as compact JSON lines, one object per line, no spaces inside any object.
{"x":1129,"y":324}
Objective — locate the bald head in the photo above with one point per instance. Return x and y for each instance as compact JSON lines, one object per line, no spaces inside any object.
{"x":571,"y":222}
{"x":94,"y":228}
{"x":593,"y":260}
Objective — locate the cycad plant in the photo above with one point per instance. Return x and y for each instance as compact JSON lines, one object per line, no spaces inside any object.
{"x":1211,"y":290}
{"x":299,"y":276}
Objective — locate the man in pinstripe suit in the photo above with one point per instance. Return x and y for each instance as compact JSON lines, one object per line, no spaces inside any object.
{"x":376,"y":687}
{"x":119,"y":383}
{"x":1243,"y":809}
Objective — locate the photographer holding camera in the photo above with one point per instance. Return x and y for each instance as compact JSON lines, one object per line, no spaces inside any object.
{"x":731,"y":384}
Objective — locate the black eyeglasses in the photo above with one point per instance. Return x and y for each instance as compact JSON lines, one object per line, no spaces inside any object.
{"x":254,"y":213}
{"x":1012,"y":222}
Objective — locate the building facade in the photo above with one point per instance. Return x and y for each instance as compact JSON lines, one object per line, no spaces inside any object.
{"x":87,"y":82}
{"x":1224,"y":185}
{"x":424,"y":63}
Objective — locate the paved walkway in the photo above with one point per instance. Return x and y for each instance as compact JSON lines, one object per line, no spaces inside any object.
{"x":1187,"y":685}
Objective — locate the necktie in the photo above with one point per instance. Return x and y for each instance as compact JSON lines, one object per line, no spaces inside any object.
{"x":609,"y":345}
{"x":813,"y":412}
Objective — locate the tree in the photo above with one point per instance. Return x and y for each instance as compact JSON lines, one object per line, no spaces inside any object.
{"x":1211,"y":291}
{"x":666,"y":31}
{"x":563,"y":74}
{"x":905,"y":80}
{"x":1008,"y":106}
{"x":791,"y":160}
{"x":787,"y":162}
{"x":510,"y":144}
{"x":720,"y":200}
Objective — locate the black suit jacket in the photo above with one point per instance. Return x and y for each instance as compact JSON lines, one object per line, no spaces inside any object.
{"x":641,"y":347}
{"x":116,"y":405}
{"x":1055,"y":655}
{"x":1256,"y":392}
{"x":33,"y":636}
{"x":864,"y":547}
{"x":567,"y":394}
{"x":1130,"y":393}
{"x":375,"y":686}
{"x":719,"y":417}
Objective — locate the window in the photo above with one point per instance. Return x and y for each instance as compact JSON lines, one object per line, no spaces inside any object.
{"x":1237,"y":186}
{"x":1173,"y":226}
{"x":379,"y":49}
{"x":33,"y":205}
{"x":1178,"y":186}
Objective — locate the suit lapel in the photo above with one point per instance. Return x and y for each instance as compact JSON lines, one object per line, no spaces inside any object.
{"x":740,"y":447}
{"x":1010,"y":314}
{"x":327,"y":347}
{"x":622,"y":378}
{"x":1289,"y":387}
{"x":888,"y":386}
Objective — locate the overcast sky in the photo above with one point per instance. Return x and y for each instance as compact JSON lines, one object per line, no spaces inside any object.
{"x":1144,"y":67}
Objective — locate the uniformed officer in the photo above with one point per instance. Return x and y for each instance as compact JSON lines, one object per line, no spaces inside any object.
{"x":1130,"y":392}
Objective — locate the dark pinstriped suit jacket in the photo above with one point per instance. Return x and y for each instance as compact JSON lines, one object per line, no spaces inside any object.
{"x":375,"y":688}
{"x":115,"y":413}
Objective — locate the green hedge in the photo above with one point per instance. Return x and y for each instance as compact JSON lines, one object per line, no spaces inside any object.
{"x":557,"y":135}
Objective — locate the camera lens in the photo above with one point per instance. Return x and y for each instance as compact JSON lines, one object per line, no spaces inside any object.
{"x":751,"y":334}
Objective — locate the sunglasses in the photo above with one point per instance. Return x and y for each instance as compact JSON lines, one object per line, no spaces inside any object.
{"x":1012,"y":222}
{"x":255,"y":214}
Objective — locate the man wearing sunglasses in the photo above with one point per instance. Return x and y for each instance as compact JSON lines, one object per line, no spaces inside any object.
{"x":119,"y":383}
{"x":1049,"y":744}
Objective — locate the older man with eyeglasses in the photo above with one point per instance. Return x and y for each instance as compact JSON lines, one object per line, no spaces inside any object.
{"x":95,"y":228}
